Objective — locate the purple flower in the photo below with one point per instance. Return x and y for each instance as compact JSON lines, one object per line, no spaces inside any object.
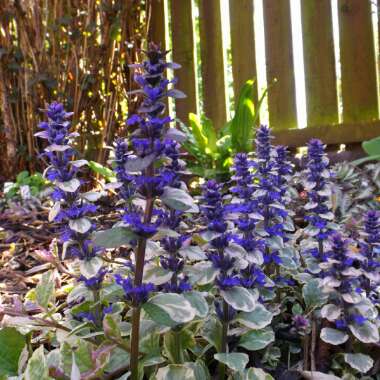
{"x":137,"y":295}
{"x":94,"y":282}
{"x":226,"y":282}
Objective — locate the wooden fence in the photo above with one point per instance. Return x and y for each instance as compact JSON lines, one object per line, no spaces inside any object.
{"x":359,"y":89}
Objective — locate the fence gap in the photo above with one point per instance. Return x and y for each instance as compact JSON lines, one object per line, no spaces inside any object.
{"x":258,"y":23}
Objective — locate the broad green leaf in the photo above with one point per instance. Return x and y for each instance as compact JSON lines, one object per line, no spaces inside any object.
{"x":367,"y":332}
{"x":196,"y":129}
{"x":333,"y":336}
{"x":257,"y":374}
{"x":176,"y":343}
{"x":239,"y":298}
{"x":242,"y":124}
{"x":111,"y":327}
{"x":372,"y":147}
{"x":200,"y":370}
{"x":257,"y":339}
{"x":175,"y":372}
{"x":256,"y":319}
{"x":114,"y":237}
{"x":70,"y":186}
{"x":54,"y":211}
{"x":179,"y":199}
{"x":313,"y":294}
{"x":237,"y":361}
{"x":210,"y":133}
{"x":360,"y":362}
{"x":11,"y":346}
{"x":157,"y":275}
{"x":37,"y":368}
{"x":107,"y":173}
{"x":81,"y":225}
{"x":173,"y":309}
{"x":90,"y":268}
{"x":212,"y":332}
{"x":198,"y":302}
{"x":119,"y":358}
{"x":331,"y":312}
{"x":45,"y":290}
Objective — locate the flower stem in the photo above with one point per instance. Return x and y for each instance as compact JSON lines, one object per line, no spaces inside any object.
{"x":136,"y":311}
{"x":224,"y":345}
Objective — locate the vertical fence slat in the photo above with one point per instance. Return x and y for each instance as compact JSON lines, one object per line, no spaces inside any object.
{"x":183,"y":53}
{"x":242,"y":44}
{"x":214,"y":97}
{"x":359,"y":89}
{"x":319,"y":61}
{"x":279,"y":62}
{"x":156,"y":32}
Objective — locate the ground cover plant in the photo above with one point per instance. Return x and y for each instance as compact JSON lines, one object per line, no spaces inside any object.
{"x":230,"y":284}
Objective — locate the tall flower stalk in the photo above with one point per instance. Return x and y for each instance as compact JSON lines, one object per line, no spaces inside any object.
{"x":72,"y":208}
{"x":318,"y":208}
{"x":138,"y":168}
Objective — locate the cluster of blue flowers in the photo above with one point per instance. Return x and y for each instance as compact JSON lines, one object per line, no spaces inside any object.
{"x":71,"y":206}
{"x":149,"y":165}
{"x":318,"y":208}
{"x":370,"y":250}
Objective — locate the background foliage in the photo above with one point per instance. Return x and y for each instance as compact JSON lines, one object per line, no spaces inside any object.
{"x":72,"y":51}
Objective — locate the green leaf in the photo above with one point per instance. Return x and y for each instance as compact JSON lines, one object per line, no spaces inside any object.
{"x":197,"y":132}
{"x":372,"y":147}
{"x":37,"y":368}
{"x":105,"y":172}
{"x":333,"y":336}
{"x":178,"y":199}
{"x":212,"y":332}
{"x":114,"y":237}
{"x":81,"y":225}
{"x":242,"y":124}
{"x":256,"y":319}
{"x":198,"y":302}
{"x":22,"y":176}
{"x":210,"y":133}
{"x":200,"y":370}
{"x":239,"y":298}
{"x":360,"y":362}
{"x":45,"y":290}
{"x":367,"y":332}
{"x":313,"y":294}
{"x":175,"y":372}
{"x":257,"y":339}
{"x":237,"y":361}
{"x":90,"y":268}
{"x":176,"y":343}
{"x":119,"y":358}
{"x":69,"y":186}
{"x":363,"y":160}
{"x":169,"y":309}
{"x":11,"y":346}
{"x":257,"y":374}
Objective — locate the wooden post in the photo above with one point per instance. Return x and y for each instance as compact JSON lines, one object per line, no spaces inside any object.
{"x":183,"y":53}
{"x":243,"y":45}
{"x":319,"y":60}
{"x":279,"y":60}
{"x":359,"y":89}
{"x":214,"y":97}
{"x":156,"y":27}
